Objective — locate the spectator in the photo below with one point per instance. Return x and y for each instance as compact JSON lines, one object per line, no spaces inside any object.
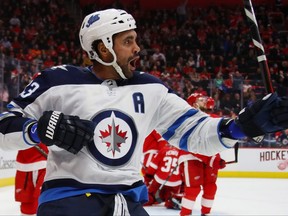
{"x":228,"y":83}
{"x":236,"y":103}
{"x":219,"y":82}
{"x":226,"y":102}
{"x":181,"y":12}
{"x":251,"y":99}
{"x":155,"y":72}
{"x":159,"y":56}
{"x":246,"y":87}
{"x":237,"y":81}
{"x":200,"y":91}
{"x":282,"y":83}
{"x":48,"y":62}
{"x":4,"y":96}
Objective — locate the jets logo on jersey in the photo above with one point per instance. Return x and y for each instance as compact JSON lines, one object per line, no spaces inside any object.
{"x":115,"y":138}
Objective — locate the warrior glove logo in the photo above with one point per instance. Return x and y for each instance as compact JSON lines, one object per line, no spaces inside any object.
{"x":52,"y":125}
{"x":115,"y":138}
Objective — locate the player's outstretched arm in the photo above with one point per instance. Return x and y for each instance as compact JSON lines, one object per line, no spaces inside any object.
{"x":65,"y":131}
{"x":268,"y":115}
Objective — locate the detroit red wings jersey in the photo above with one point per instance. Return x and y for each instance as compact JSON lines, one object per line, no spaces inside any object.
{"x":153,"y":143}
{"x":208,"y":160}
{"x":165,"y":164}
{"x":30,"y":172}
{"x":31,"y":159}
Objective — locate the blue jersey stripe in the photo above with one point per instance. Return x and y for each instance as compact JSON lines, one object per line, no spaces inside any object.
{"x":171,"y":130}
{"x":183,"y":141}
{"x":138,"y":194}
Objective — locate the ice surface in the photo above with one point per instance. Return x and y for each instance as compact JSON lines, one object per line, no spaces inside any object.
{"x":235,"y":197}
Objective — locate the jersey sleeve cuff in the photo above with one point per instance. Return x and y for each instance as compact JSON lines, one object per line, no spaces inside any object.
{"x":26,"y":132}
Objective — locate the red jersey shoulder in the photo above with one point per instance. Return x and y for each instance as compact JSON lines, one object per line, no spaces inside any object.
{"x":32,"y":154}
{"x":154,"y":141}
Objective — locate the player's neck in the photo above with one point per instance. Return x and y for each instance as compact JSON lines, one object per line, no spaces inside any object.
{"x":105,"y":72}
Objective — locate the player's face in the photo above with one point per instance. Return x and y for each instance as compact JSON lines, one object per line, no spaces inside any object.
{"x":201,"y":102}
{"x":126,"y":50}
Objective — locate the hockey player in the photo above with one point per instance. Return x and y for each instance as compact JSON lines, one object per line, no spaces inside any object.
{"x":163,"y":172}
{"x":95,"y":120}
{"x":30,"y":172}
{"x":199,"y":171}
{"x":152,"y":144}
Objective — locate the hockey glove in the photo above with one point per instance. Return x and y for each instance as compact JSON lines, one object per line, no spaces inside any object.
{"x":221,"y":164}
{"x":147,"y":179}
{"x":217,"y":163}
{"x":264,"y":116}
{"x":68,"y":132}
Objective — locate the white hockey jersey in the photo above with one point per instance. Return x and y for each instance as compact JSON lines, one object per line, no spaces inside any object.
{"x":124,"y":113}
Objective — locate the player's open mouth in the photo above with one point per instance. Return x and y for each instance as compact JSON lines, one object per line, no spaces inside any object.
{"x":132,"y":63}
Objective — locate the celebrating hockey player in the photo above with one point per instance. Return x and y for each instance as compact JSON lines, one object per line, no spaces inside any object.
{"x":95,"y":119}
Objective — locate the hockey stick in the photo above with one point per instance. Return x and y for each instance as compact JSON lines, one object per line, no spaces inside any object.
{"x":142,"y":164}
{"x":176,"y":202}
{"x":236,"y":147}
{"x":157,"y":197}
{"x":261,"y":57}
{"x":256,"y":38}
{"x":41,"y":151}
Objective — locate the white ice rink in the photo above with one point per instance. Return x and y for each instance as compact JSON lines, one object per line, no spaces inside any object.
{"x":235,"y":197}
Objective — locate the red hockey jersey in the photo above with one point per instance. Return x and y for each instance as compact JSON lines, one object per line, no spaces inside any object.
{"x":164,"y":166}
{"x":32,"y":158}
{"x":153,"y":143}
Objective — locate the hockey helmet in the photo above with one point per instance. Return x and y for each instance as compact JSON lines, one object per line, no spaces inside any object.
{"x":102,"y":25}
{"x":210,"y":103}
{"x":192,"y":99}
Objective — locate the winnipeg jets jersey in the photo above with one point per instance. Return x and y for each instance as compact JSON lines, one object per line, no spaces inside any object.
{"x":124,"y":113}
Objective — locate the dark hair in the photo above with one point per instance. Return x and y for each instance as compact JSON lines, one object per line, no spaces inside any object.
{"x":95,"y":45}
{"x":96,"y":42}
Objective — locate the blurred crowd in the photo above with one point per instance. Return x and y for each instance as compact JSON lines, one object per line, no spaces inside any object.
{"x":205,"y":50}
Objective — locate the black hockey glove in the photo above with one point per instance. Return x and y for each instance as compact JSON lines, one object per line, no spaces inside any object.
{"x":265,"y":116}
{"x":68,"y":132}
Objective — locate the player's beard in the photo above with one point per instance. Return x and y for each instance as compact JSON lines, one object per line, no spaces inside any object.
{"x":126,"y":69}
